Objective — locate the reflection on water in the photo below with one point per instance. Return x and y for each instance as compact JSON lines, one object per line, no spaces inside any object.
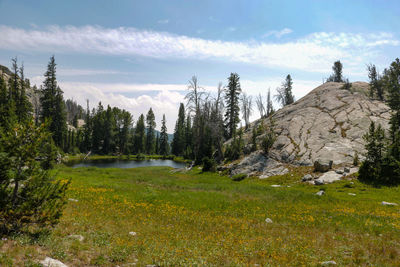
{"x":117,"y":163}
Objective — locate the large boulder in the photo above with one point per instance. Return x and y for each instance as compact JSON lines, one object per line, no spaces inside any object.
{"x":322,"y":165}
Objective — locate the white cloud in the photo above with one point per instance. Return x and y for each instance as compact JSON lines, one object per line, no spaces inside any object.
{"x":314,"y":53}
{"x":278,"y":34}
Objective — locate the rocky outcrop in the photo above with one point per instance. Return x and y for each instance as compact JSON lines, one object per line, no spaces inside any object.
{"x":326,"y":125}
{"x":258,"y":164}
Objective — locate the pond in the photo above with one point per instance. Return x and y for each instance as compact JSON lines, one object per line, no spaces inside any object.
{"x":118,"y":163}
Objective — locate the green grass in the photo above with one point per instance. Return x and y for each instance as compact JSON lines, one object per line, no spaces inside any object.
{"x":207,"y":219}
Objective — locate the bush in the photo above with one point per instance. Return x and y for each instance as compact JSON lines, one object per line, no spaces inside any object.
{"x":356,"y":160}
{"x":28,"y":194}
{"x":209,"y":165}
{"x":239,"y":177}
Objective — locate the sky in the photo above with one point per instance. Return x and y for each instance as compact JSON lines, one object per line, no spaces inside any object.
{"x":141,"y":54}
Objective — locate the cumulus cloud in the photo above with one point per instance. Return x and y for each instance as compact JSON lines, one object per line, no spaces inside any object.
{"x":314,"y":52}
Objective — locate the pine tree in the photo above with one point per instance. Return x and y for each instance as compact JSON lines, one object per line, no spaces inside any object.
{"x":108,"y":131}
{"x":157,"y":146}
{"x":178,"y":142}
{"x":7,"y":114}
{"x":52,"y":103}
{"x":23,"y":106}
{"x":370,"y":169}
{"x":337,"y":75}
{"x":232,"y":93}
{"x":29,"y":195}
{"x":284,"y":93}
{"x":150,"y":126}
{"x":164,"y":145}
{"x":188,"y":138}
{"x":139,"y":139}
{"x":270,"y":107}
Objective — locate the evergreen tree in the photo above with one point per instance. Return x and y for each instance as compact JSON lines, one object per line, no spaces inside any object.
{"x":87,"y":131}
{"x":98,"y":129}
{"x":29,"y":195}
{"x":178,"y":142}
{"x":124,"y":134}
{"x":7,"y":114}
{"x":284,"y":93}
{"x":150,"y":126}
{"x":188,"y":138}
{"x":370,"y":169}
{"x":139,"y":139}
{"x":232,"y":93}
{"x":157,"y":146}
{"x":270,"y":107}
{"x":23,"y":106}
{"x":109,"y":132}
{"x":164,"y":145}
{"x":52,"y":103}
{"x":337,"y":75}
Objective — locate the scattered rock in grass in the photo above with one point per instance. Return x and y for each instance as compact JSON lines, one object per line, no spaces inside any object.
{"x":307,"y":177}
{"x":72,"y":199}
{"x":329,"y":177}
{"x":321,"y":165}
{"x":318,"y":182}
{"x":77,"y":237}
{"x":388,"y":203}
{"x":320,"y":193}
{"x":327,"y":263}
{"x":268,"y":220}
{"x":352,"y":194}
{"x":346,"y":169}
{"x":339,"y":171}
{"x":276,"y":185}
{"x":132,"y":233}
{"x":49,"y":262}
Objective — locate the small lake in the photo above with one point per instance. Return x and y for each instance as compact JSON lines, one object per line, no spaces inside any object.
{"x":124,"y":164}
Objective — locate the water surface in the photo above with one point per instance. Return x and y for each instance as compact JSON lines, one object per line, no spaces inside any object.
{"x":118,"y":163}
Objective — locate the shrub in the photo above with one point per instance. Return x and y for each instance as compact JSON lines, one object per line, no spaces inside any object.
{"x":209,"y":165}
{"x":28,"y":194}
{"x":238,"y":177}
{"x":356,"y":160}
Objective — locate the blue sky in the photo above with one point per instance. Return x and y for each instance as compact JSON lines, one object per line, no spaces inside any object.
{"x":137,"y":54}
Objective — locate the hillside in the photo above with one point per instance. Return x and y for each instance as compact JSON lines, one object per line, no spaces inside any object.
{"x":326,"y":124}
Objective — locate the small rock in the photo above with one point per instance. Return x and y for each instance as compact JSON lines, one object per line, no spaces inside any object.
{"x":339,"y":171}
{"x":346,"y":169}
{"x":276,"y":185}
{"x":77,"y":237}
{"x":307,"y":177}
{"x":268,"y":220}
{"x":72,"y":199}
{"x":326,"y":263}
{"x":49,"y":262}
{"x":318,"y":182}
{"x":132,"y":233}
{"x":388,"y":203}
{"x":352,"y":194}
{"x":320,"y":193}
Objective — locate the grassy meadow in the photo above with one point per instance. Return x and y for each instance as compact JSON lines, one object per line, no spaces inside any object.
{"x":194,"y":218}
